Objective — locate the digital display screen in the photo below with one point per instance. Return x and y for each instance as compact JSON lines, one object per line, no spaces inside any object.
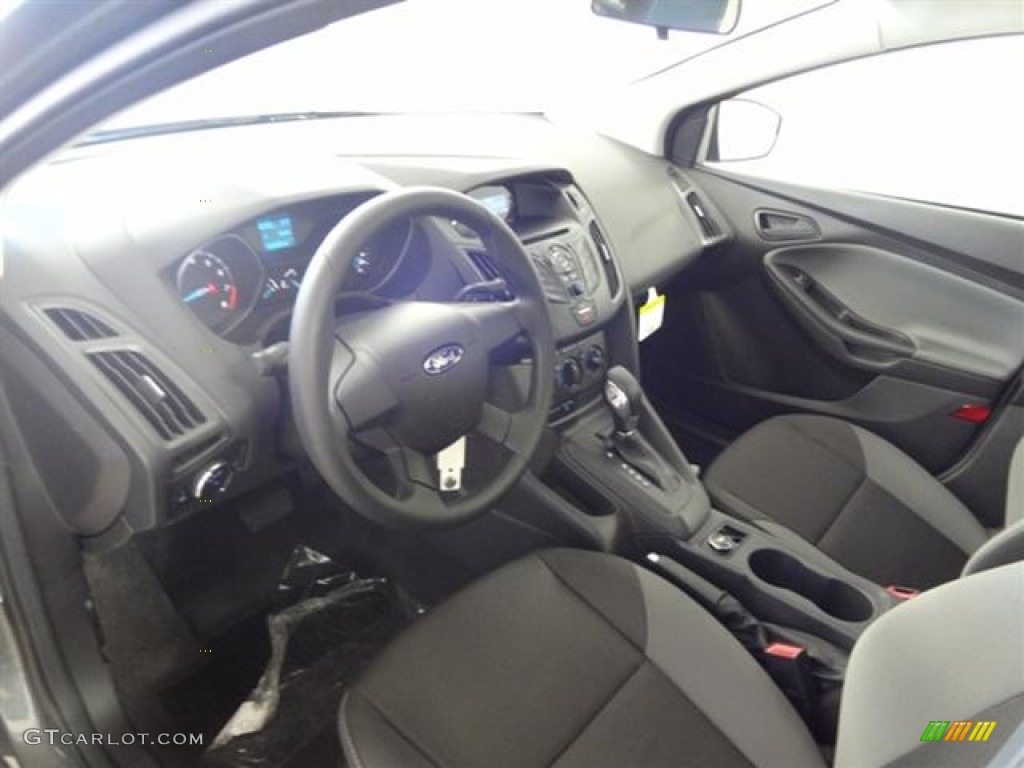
{"x":276,"y":232}
{"x":498,"y":200}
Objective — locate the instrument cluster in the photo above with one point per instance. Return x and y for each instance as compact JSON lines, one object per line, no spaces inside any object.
{"x":257,"y":268}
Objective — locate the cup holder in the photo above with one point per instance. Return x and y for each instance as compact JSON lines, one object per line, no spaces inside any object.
{"x":836,"y":598}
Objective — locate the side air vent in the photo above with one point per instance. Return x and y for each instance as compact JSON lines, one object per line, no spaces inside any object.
{"x":611,"y":274}
{"x":484,"y":265}
{"x":708,"y":225}
{"x":154,"y":395}
{"x":78,"y":325}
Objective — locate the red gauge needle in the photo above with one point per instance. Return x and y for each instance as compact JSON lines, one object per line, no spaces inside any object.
{"x":212,"y":288}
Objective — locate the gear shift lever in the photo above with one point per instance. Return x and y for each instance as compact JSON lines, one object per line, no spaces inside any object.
{"x":624,"y":396}
{"x":622,"y":393}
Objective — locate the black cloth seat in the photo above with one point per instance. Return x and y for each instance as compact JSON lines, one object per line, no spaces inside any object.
{"x":855,"y":496}
{"x":570,"y":658}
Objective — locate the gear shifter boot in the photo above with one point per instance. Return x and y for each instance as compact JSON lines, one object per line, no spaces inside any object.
{"x":633,"y":449}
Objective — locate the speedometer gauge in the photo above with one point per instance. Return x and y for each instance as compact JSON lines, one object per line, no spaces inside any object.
{"x":206,"y":285}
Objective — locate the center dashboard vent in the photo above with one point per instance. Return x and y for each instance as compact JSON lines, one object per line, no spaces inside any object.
{"x":708,"y":225}
{"x":607,"y":262}
{"x":78,"y":325}
{"x":158,"y":399}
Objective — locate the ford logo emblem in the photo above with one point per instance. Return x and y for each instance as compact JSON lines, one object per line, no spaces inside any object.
{"x":443,"y":359}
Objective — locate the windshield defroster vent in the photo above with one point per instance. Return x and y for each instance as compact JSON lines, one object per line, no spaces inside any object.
{"x":78,"y":325}
{"x":158,"y":399}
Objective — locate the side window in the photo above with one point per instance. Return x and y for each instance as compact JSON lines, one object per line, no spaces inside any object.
{"x":941,"y":123}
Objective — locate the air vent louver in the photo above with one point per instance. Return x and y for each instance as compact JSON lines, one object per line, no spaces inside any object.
{"x":78,"y":325}
{"x":607,"y":262}
{"x":484,"y":265}
{"x":154,"y":395}
{"x":707,"y":225}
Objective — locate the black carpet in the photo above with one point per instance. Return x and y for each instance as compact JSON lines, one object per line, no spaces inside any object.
{"x":184,"y":613}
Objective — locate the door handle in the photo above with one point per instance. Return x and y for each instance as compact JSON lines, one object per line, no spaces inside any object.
{"x":778,"y":225}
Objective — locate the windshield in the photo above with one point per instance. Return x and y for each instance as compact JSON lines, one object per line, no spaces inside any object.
{"x":443,"y":56}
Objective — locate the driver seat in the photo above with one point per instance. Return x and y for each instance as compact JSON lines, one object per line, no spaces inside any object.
{"x":571,"y":658}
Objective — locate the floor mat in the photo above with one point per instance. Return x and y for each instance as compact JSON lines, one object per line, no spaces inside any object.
{"x":206,"y":698}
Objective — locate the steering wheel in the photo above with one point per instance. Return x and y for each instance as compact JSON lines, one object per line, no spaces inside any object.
{"x":411,"y":378}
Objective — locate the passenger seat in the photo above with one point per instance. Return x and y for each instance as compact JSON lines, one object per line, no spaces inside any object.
{"x":856,"y":497}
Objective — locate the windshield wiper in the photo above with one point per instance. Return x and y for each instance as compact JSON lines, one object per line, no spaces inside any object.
{"x":142,"y":131}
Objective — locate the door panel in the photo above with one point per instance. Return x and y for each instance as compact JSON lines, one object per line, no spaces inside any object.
{"x":899,"y":313}
{"x":819,"y":304}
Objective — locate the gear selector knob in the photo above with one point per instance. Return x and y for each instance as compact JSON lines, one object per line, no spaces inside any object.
{"x":623,"y":394}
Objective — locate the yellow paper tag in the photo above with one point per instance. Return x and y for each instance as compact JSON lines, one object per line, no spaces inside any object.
{"x":652,"y":314}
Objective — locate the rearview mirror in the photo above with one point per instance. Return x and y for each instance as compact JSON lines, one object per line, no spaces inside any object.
{"x":717,"y":16}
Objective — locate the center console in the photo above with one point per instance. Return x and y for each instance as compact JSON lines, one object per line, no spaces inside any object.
{"x":618,"y":458}
{"x":796,"y":610}
{"x":778,"y":576}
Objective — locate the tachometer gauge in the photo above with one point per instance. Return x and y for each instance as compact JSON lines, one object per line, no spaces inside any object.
{"x":206,"y":285}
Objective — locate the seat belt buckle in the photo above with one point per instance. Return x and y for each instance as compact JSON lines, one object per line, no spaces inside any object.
{"x":901,"y":593}
{"x":788,"y":666}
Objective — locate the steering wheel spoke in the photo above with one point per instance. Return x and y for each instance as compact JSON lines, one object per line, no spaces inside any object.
{"x":508,"y":429}
{"x":498,"y":322}
{"x":410,"y":469}
{"x":360,"y":394}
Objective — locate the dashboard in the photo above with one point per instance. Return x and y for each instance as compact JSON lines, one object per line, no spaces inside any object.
{"x":149,"y":284}
{"x":242,"y":283}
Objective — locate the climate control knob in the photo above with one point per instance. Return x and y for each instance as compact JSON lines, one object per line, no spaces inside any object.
{"x":594,"y":358}
{"x":570,"y":373}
